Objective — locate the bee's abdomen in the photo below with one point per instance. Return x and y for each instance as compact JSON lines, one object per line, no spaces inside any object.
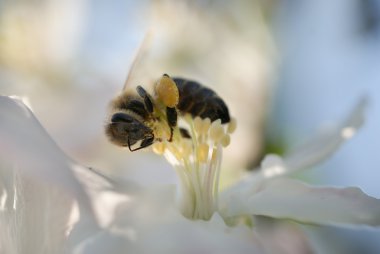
{"x":200,"y":101}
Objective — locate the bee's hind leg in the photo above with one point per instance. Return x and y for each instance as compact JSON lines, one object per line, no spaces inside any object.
{"x":171,"y":115}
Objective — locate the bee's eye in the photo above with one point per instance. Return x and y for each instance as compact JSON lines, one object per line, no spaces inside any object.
{"x":167,"y":91}
{"x":121,"y":117}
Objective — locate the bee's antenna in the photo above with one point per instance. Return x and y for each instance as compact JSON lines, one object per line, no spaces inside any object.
{"x":141,"y":52}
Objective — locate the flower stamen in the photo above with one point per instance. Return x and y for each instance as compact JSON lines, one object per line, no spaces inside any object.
{"x":197,"y":161}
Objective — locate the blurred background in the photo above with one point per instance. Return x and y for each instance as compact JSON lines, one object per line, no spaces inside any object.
{"x":285,"y":68}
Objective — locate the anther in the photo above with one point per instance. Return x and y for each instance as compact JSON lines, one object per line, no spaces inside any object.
{"x":186,"y":148}
{"x":175,"y":151}
{"x":225,"y":140}
{"x":216,"y":131}
{"x":159,"y":148}
{"x":232,"y":125}
{"x":203,"y":152}
{"x":198,"y":124}
{"x":206,"y":125}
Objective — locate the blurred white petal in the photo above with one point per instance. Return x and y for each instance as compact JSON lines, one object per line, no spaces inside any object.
{"x":105,"y":197}
{"x":291,"y":199}
{"x":25,"y":144}
{"x":261,"y":193}
{"x":282,"y":237}
{"x":315,"y":151}
{"x":273,"y":165}
{"x":37,"y":185}
{"x":151,"y":223}
{"x":324,"y":145}
{"x":35,"y":216}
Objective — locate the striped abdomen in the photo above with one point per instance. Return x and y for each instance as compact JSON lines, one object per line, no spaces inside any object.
{"x":200,"y":101}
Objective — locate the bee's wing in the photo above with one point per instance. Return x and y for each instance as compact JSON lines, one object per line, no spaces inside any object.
{"x":139,"y":57}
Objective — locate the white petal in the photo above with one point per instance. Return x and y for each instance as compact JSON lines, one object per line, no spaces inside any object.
{"x":309,"y":154}
{"x":151,"y":223}
{"x":324,"y":145}
{"x":290,"y":199}
{"x":317,"y":149}
{"x":35,"y":216}
{"x":25,"y":142}
{"x":282,"y":237}
{"x":105,"y":196}
{"x":273,"y":165}
{"x":37,"y":185}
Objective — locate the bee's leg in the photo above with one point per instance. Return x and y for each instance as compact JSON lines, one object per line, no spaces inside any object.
{"x":147,"y":101}
{"x":145,"y":143}
{"x":171,"y":115}
{"x":129,"y":146}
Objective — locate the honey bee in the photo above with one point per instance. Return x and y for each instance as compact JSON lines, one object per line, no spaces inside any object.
{"x":137,"y":116}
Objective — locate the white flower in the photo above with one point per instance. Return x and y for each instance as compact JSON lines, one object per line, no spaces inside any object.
{"x":50,"y":204}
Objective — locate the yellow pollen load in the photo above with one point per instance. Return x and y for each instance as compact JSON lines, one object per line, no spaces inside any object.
{"x":167,"y":91}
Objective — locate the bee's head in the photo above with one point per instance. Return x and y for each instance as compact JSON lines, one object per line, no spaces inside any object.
{"x":125,"y":130}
